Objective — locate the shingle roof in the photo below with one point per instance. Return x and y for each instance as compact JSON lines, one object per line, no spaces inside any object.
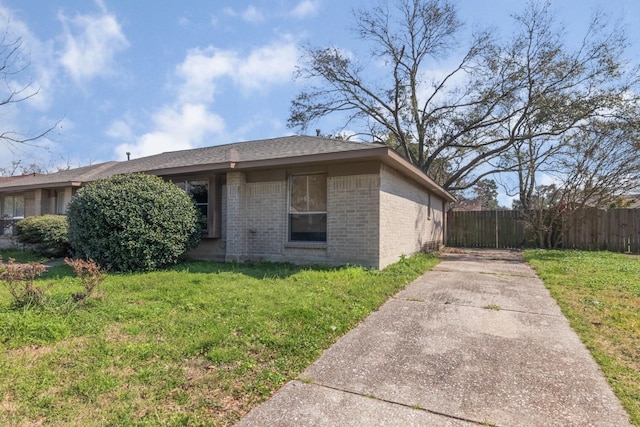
{"x":287,"y":150}
{"x":266,"y":149}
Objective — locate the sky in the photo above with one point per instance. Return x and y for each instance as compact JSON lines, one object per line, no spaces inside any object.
{"x":144,"y":77}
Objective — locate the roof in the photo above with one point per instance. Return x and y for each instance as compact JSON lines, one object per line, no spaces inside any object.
{"x":632,"y":201}
{"x":13,"y":177}
{"x":283,"y":151}
{"x":467,"y":205}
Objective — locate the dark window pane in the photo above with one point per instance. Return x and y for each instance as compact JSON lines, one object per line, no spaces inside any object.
{"x":202,"y":209}
{"x":308,"y":228}
{"x":199,"y":191}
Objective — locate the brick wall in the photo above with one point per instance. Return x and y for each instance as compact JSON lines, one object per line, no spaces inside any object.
{"x":372,"y":219}
{"x":236,"y":241}
{"x":406,"y":223}
{"x":255,"y":222}
{"x":266,"y":223}
{"x":353,"y":204}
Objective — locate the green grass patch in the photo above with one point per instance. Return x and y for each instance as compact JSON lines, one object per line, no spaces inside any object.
{"x":198,"y":344}
{"x":21,"y":255}
{"x":599,"y":292}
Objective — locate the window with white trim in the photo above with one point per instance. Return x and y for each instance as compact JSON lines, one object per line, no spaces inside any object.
{"x":308,"y":208}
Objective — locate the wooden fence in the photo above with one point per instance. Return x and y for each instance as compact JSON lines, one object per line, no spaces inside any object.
{"x":485,"y":229}
{"x":615,"y":230}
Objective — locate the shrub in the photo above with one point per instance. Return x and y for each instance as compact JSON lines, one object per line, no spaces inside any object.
{"x":46,"y":233}
{"x":132,"y":222}
{"x":19,"y":280}
{"x":90,"y":274}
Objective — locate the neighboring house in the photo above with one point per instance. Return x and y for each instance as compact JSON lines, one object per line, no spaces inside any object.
{"x":631,"y":201}
{"x":471,"y":205}
{"x":298,"y":199}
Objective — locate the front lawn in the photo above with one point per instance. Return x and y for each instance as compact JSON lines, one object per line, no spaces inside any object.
{"x":198,"y":344}
{"x":599,"y":292}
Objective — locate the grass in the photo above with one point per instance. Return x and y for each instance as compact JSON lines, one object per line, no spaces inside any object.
{"x":197,"y":344}
{"x":21,"y":256}
{"x":599,"y":292}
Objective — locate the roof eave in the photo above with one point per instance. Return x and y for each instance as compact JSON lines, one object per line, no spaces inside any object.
{"x":395,"y":160}
{"x":384,"y":154}
{"x":37,"y":186}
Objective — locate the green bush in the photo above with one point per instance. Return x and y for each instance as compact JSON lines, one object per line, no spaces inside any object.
{"x":47,"y":234}
{"x":132,"y":222}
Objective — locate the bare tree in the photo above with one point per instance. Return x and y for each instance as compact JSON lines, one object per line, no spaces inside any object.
{"x":506,"y":107}
{"x":599,"y":165}
{"x":562,"y":93}
{"x":14,"y":62}
{"x":406,"y":107}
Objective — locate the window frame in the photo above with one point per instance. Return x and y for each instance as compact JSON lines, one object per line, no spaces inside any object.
{"x":213,"y":203}
{"x":12,"y":215}
{"x":8,"y":220}
{"x":60,"y":206}
{"x":290,"y":213}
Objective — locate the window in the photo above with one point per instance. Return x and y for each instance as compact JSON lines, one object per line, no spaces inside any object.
{"x":199,"y":190}
{"x":308,"y":208}
{"x":60,"y":202}
{"x":12,"y":207}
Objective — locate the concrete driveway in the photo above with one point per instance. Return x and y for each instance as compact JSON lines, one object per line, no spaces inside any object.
{"x":476,"y":341}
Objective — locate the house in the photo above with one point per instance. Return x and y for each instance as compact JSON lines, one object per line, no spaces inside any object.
{"x":470,"y":205}
{"x":299,"y":199}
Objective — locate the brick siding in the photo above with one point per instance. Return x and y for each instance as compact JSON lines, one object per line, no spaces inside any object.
{"x":352,"y":219}
{"x":372,"y":219}
{"x":406,"y":225}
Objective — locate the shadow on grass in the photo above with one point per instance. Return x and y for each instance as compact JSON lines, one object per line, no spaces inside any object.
{"x":21,"y":255}
{"x":256,"y":270}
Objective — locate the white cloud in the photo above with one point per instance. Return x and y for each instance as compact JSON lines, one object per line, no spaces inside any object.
{"x":267,"y":65}
{"x":305,"y":8}
{"x":34,"y":54}
{"x":91,"y":43}
{"x":33,"y":74}
{"x":189,"y":121}
{"x":252,"y":14}
{"x":176,"y":128}
{"x":121,"y":130}
{"x":199,"y":71}
{"x":264,"y":66}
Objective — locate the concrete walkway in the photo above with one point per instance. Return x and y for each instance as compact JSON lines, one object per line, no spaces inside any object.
{"x":476,"y":341}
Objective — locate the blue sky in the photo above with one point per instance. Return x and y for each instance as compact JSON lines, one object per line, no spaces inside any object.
{"x":148,"y":77}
